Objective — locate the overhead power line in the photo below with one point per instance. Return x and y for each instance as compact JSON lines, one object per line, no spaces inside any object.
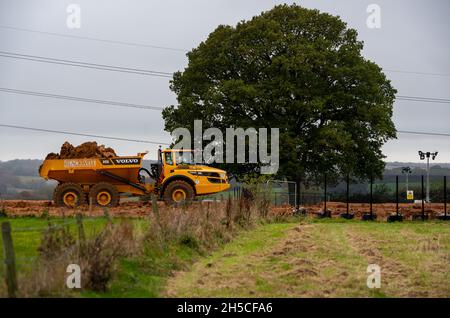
{"x":162,"y":143}
{"x":423,"y":133}
{"x":82,"y":134}
{"x":119,"y":68}
{"x":78,"y":99}
{"x":102,"y":67}
{"x":96,"y":39}
{"x":417,"y":73}
{"x":131,"y":105}
{"x":423,"y":99}
{"x":166,"y":47}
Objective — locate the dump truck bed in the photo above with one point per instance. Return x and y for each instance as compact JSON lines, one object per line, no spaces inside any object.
{"x":120,"y":171}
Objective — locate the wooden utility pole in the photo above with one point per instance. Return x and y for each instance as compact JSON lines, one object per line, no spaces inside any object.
{"x":81,"y":234}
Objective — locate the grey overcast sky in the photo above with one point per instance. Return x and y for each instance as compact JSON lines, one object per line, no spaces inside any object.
{"x":414,"y":36}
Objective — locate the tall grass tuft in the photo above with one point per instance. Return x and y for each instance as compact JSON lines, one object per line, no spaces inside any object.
{"x":97,"y":258}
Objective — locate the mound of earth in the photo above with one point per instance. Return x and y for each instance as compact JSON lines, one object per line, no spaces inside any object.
{"x":86,"y":150}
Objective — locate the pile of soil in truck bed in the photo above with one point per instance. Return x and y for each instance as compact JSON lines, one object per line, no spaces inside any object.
{"x":86,"y":150}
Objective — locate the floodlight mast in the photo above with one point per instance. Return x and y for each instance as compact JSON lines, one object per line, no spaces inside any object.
{"x":407,"y":171}
{"x":427,"y":155}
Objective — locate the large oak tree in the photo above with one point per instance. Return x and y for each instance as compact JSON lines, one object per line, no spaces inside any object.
{"x":299,"y":70}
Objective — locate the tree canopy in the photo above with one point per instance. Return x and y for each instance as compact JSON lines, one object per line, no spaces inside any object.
{"x":298,"y":70}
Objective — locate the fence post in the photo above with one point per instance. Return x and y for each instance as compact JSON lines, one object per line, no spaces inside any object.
{"x":154,"y":204}
{"x":396,"y":194}
{"x":107,"y":216}
{"x":10,"y":261}
{"x":81,"y":234}
{"x":348,"y":194}
{"x":90,"y":206}
{"x":371,"y":196}
{"x":423,"y":202}
{"x":325,"y":195}
{"x":228,"y":211}
{"x":63,"y":213}
{"x":445,"y":197}
{"x":155,"y":210}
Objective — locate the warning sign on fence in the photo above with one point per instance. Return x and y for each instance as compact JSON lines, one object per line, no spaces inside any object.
{"x":410,"y":195}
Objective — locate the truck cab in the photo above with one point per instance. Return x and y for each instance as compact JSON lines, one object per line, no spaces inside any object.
{"x":182,"y":178}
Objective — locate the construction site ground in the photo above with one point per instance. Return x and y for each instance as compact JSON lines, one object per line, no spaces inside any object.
{"x":142,"y":209}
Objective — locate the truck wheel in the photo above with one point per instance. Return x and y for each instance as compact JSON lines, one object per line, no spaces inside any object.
{"x":104,"y":194}
{"x":69,"y":194}
{"x":178,"y":191}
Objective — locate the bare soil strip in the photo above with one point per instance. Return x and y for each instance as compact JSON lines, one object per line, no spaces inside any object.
{"x":141,"y":209}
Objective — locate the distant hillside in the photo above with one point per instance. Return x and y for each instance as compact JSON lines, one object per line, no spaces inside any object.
{"x":19,"y":179}
{"x":21,"y":167}
{"x":435,"y":170}
{"x":422,"y":164}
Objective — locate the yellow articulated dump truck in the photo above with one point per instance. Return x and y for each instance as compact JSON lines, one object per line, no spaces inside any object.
{"x":102,"y":181}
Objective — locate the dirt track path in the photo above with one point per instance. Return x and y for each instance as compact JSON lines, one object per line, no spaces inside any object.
{"x":324,"y":260}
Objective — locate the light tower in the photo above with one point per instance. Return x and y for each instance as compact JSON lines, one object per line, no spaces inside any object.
{"x":407,"y":171}
{"x":427,"y":155}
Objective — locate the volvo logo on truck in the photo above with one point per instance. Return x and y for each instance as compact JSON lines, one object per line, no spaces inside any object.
{"x":126,"y":161}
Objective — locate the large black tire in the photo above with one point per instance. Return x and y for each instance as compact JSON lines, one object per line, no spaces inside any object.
{"x":178,"y":191}
{"x":69,"y":195}
{"x":104,"y":194}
